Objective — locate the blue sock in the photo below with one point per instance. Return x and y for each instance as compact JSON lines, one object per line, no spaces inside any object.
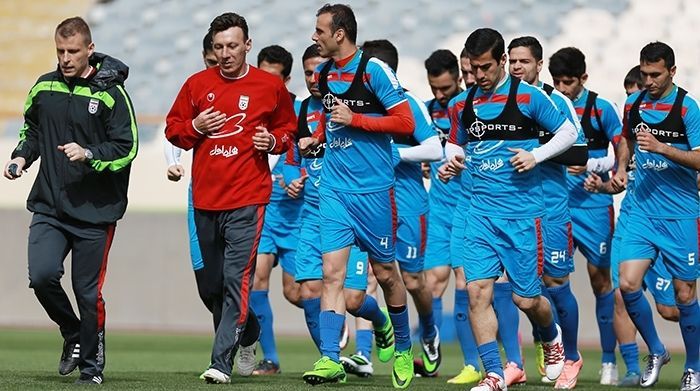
{"x":331,"y":325}
{"x":689,"y":322}
{"x":630,"y":354}
{"x":536,"y":337}
{"x":260,"y":303}
{"x":402,"y":330}
{"x":427,"y":324}
{"x":437,"y":311}
{"x":464,"y":329}
{"x":370,"y":310}
{"x":640,"y":312}
{"x":491,"y":358}
{"x":604,"y":309}
{"x":566,"y":306}
{"x":312,"y":308}
{"x":549,"y":332}
{"x":363,"y":343}
{"x":508,"y":320}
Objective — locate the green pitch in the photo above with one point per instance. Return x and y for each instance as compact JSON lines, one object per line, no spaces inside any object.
{"x":29,"y":360}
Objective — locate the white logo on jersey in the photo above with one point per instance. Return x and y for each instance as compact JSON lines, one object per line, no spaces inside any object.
{"x":477,"y":129}
{"x":230,"y":129}
{"x":656,"y":165}
{"x":341,"y":143}
{"x":316,"y":165}
{"x":92,"y":106}
{"x":225,"y":152}
{"x":328,"y":101}
{"x":478,"y":150}
{"x":210,"y":97}
{"x":243,"y":102}
{"x":491,"y":165}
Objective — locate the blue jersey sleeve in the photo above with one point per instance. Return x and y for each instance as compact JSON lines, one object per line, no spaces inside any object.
{"x":610,"y":118}
{"x":691,"y":119}
{"x":424,"y":125}
{"x":383,"y":82}
{"x":541,"y":108}
{"x":567,"y":108}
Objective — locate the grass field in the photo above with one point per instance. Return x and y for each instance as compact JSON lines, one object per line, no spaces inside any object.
{"x":29,"y":360}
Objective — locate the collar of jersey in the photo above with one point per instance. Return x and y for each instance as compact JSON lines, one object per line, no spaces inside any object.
{"x":581,"y":94}
{"x":670,"y":98}
{"x":345,"y":61}
{"x":500,"y":84}
{"x":247,"y":69}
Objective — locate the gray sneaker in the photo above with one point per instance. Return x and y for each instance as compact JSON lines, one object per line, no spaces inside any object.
{"x":631,"y":379}
{"x":653,"y":369}
{"x":245,"y":360}
{"x":690,"y":380}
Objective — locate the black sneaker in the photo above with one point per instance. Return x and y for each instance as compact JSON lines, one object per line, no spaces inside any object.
{"x":266,"y":367}
{"x":89,"y":379}
{"x":69,"y":358}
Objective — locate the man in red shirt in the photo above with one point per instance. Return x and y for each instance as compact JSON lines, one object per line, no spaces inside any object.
{"x":232,"y":115}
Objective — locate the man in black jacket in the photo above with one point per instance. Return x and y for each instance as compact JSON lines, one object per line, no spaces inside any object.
{"x":79,"y":120}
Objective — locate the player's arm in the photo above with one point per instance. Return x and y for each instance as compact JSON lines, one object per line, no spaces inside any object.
{"x":185,"y":126}
{"x":595,"y":184}
{"x":577,"y":155}
{"x":27,"y":150}
{"x":283,"y":123}
{"x":429,"y":148}
{"x":293,"y":174}
{"x":624,"y":148}
{"x":601,"y":164}
{"x":172,"y":158}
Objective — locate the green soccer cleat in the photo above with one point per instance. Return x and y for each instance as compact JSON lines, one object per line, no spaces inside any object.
{"x":402,"y":373}
{"x":325,"y":371}
{"x":384,"y":339}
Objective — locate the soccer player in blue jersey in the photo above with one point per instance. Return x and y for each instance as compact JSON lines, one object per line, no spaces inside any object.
{"x":443,"y":71}
{"x":504,"y":226}
{"x":364,"y":104}
{"x":592,"y":214}
{"x":308,"y":267}
{"x":279,"y":238}
{"x":662,"y":128}
{"x":412,"y":208}
{"x":525,"y":62}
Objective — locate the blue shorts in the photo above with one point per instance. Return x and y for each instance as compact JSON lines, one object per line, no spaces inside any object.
{"x":308,"y":257}
{"x":676,"y":240}
{"x":410,"y":243}
{"x":280,"y":235}
{"x":593,"y":230}
{"x":195,"y":252}
{"x":657,"y":279}
{"x":458,"y":236}
{"x":437,"y":248}
{"x":513,"y":245}
{"x":558,"y":248}
{"x":367,"y":220}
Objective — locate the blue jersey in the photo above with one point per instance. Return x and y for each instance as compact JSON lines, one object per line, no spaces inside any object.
{"x":358,"y":161}
{"x":554,"y":182}
{"x":463,"y":185}
{"x":498,"y":190}
{"x":441,"y":195}
{"x":278,"y":181}
{"x":411,"y":196}
{"x":604,"y":126}
{"x":663,"y":188}
{"x":311,"y":164}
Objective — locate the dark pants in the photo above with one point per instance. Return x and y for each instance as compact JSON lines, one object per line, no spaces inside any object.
{"x":229,"y":244}
{"x":50,"y":240}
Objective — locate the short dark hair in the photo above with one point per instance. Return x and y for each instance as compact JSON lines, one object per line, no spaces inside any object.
{"x":634,"y":77}
{"x":383,"y":50}
{"x":311,"y":52}
{"x":342,"y":18}
{"x":207,"y":43}
{"x":656,"y":51}
{"x":529,"y":42}
{"x":441,"y":61}
{"x":72,"y":26}
{"x":569,"y":62}
{"x":227,"y":20}
{"x":275,"y":54}
{"x":485,"y":40}
{"x":463,"y":53}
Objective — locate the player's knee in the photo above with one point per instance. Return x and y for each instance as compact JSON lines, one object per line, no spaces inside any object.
{"x":353,"y":300}
{"x":477,"y":296}
{"x":44,"y":279}
{"x":684,"y":294}
{"x":292,"y":294}
{"x":413,"y":281}
{"x":526,"y":304}
{"x":669,"y":313}
{"x":628,"y":286}
{"x":385,"y":273}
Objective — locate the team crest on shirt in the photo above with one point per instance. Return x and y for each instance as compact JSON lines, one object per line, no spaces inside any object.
{"x":243,"y":102}
{"x":93,"y":105}
{"x":210,"y":97}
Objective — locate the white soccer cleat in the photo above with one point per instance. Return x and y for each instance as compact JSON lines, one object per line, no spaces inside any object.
{"x":245,"y":360}
{"x":215,"y":376}
{"x":553,"y":356}
{"x":608,"y":374}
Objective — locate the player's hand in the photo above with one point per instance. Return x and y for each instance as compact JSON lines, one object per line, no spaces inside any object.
{"x":619,"y":181}
{"x":593,"y":183}
{"x":425,"y":169}
{"x":176,"y":172}
{"x":523,"y":160}
{"x":307,"y":145}
{"x":341,"y":113}
{"x":296,"y":187}
{"x":73,"y":151}
{"x":647,"y":142}
{"x":576,"y":170}
{"x":209,"y":121}
{"x":263,"y":140}
{"x":20,"y":162}
{"x":452,"y":168}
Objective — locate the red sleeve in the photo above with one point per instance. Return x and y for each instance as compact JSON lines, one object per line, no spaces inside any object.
{"x":283,"y":121}
{"x":453,"y":114}
{"x":398,"y":121}
{"x":178,"y":124}
{"x":320,"y":132}
{"x":625,"y":122}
